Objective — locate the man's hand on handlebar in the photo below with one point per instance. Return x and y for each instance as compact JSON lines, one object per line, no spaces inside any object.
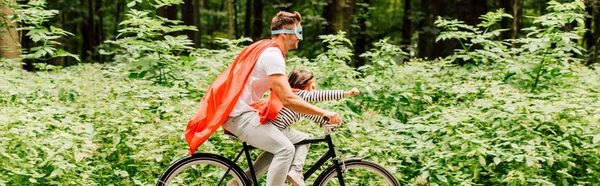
{"x":333,"y":117}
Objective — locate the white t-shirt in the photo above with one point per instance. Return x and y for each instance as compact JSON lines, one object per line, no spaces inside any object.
{"x":269,"y":62}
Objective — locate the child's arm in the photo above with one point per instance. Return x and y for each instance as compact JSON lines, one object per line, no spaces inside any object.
{"x":326,"y":95}
{"x":315,"y":118}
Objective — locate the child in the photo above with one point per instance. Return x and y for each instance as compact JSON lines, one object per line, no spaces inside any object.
{"x":303,"y":84}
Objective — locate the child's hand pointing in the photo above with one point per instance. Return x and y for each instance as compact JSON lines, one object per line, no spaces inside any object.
{"x":352,"y":92}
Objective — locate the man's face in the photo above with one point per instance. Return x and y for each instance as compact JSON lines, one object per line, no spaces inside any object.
{"x":293,"y":39}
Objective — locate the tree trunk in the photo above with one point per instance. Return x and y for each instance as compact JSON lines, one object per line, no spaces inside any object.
{"x":209,"y":24}
{"x":588,"y":36}
{"x":425,"y":35}
{"x":516,"y":20}
{"x":198,"y":23}
{"x":543,"y":4}
{"x":235,"y":18}
{"x":469,"y":11}
{"x":328,"y":16}
{"x":188,"y":17}
{"x":361,"y":36}
{"x":596,"y":33}
{"x":173,"y":10}
{"x":349,"y":15}
{"x":87,"y":28}
{"x":169,"y":12}
{"x":258,"y":19}
{"x":506,"y":23}
{"x":99,"y":29}
{"x":339,"y":19}
{"x":117,"y":16}
{"x":248,"y":19}
{"x":334,"y":14}
{"x":10,"y":46}
{"x":230,"y":20}
{"x":406,"y":23}
{"x":444,"y":9}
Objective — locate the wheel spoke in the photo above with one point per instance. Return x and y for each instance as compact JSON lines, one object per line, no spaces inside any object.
{"x":199,"y":170}
{"x":358,"y":173}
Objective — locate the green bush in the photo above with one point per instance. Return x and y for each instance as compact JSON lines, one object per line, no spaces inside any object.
{"x":433,"y":122}
{"x":31,"y":18}
{"x":144,"y":43}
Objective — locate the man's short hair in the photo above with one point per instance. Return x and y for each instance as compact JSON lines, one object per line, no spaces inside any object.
{"x":285,"y":20}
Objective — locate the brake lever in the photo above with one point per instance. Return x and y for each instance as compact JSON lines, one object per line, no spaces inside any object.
{"x":328,"y":128}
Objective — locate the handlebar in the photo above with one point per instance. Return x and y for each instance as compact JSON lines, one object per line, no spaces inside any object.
{"x":328,"y":128}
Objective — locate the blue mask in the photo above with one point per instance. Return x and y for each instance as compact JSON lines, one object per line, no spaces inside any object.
{"x":298,"y":32}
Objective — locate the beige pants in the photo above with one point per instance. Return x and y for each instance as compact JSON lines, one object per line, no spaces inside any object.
{"x":267,"y":137}
{"x":263,"y":161}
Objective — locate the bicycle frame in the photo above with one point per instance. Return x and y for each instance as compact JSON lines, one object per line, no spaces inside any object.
{"x":329,"y":154}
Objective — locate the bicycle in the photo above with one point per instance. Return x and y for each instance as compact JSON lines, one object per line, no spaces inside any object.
{"x":230,"y":170}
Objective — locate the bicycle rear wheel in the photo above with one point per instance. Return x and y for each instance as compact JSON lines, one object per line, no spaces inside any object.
{"x":357,"y":172}
{"x":202,"y":169}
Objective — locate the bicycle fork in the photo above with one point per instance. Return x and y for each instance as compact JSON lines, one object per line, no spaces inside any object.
{"x":334,"y":158}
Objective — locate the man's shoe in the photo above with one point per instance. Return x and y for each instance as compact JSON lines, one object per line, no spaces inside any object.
{"x":296,"y":178}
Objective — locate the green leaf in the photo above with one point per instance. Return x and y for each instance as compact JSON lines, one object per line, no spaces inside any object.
{"x":497,"y":160}
{"x":482,"y":161}
{"x":567,"y":144}
{"x":596,"y":139}
{"x":529,"y":160}
{"x":134,"y":75}
{"x":442,"y":178}
{"x":131,"y":4}
{"x":142,"y":74}
{"x":532,"y":47}
{"x":36,"y":38}
{"x":428,"y":98}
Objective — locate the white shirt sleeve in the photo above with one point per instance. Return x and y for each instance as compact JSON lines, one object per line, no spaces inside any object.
{"x":272,"y":61}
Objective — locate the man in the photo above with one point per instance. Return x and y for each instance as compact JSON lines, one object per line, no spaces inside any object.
{"x":258,"y":68}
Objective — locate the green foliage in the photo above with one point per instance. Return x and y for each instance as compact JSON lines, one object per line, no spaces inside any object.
{"x":470,"y":36}
{"x":539,"y":56}
{"x":144,"y":43}
{"x":434,"y":122}
{"x":550,"y":44}
{"x":334,"y":60}
{"x":32,"y":17}
{"x":381,"y":70}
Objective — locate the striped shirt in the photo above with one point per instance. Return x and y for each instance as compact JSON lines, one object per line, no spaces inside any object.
{"x":286,"y":117}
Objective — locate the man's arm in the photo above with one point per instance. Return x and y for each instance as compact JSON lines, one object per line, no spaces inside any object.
{"x":282,"y":89}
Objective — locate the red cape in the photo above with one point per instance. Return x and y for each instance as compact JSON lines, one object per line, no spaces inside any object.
{"x":269,"y":108}
{"x":223,"y":94}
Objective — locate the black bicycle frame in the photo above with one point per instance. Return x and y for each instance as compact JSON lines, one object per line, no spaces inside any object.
{"x":330,"y":154}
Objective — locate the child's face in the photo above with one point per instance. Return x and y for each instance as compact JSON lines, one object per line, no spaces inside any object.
{"x":311,"y":86}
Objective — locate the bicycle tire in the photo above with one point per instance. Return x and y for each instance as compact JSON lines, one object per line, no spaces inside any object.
{"x":355,"y":163}
{"x":202,"y":158}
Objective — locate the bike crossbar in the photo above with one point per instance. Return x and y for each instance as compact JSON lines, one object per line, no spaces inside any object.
{"x":303,"y":142}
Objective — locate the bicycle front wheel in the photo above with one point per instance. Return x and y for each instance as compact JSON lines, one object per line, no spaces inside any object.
{"x":203,"y":169}
{"x":357,"y":172}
